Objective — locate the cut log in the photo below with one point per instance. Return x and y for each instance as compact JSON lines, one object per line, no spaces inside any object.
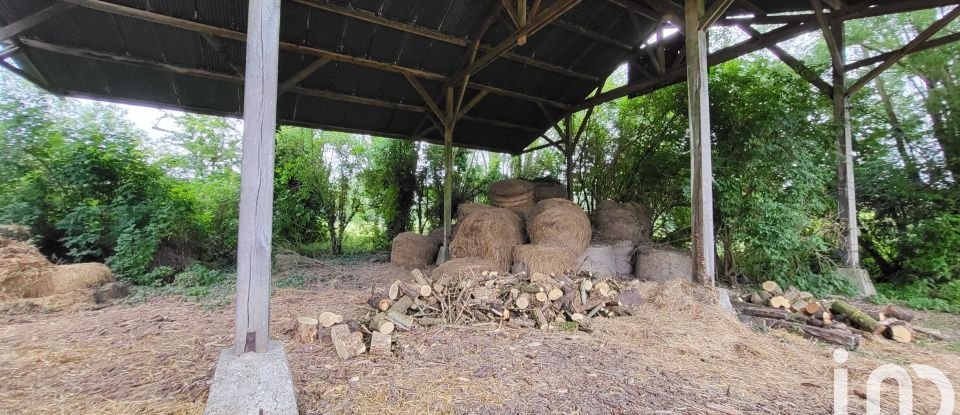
{"x":899,"y":313}
{"x":306,"y":329}
{"x":841,"y":337}
{"x":328,"y":319}
{"x":380,"y":344}
{"x":899,"y":334}
{"x":812,"y":308}
{"x":877,"y":315}
{"x":603,"y":288}
{"x":522,"y":301}
{"x":541,"y":297}
{"x":394,"y":291}
{"x":792,"y":294}
{"x":348,"y":344}
{"x":772,"y":288}
{"x":857,"y":317}
{"x":400,"y":320}
{"x":379,"y":301}
{"x":541,"y":320}
{"x":380,"y":323}
{"x":586,"y":284}
{"x":798,"y":306}
{"x":483,"y":294}
{"x":805,"y":295}
{"x":759,"y":299}
{"x":430,"y":321}
{"x":779,"y":302}
{"x":401,"y":305}
{"x":411,"y":290}
{"x":419,"y":277}
{"x":554,"y":294}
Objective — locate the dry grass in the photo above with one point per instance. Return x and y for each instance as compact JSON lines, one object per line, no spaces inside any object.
{"x":543,"y":259}
{"x":679,"y":355}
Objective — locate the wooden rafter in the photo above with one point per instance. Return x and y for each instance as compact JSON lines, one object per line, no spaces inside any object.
{"x":804,"y":71}
{"x":714,"y":13}
{"x":860,"y":10}
{"x":636,"y":9}
{"x":930,"y":44}
{"x":304,"y":73}
{"x":436,"y":35}
{"x":162,"y":19}
{"x":236,"y":79}
{"x":538,"y":22}
{"x":904,"y":51}
{"x":26,"y":23}
{"x":669,"y":11}
{"x":836,"y":53}
{"x":9,"y":51}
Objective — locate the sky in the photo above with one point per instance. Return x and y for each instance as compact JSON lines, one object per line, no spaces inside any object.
{"x":145,"y":118}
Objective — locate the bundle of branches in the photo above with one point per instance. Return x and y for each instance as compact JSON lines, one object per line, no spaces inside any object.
{"x":518,"y":300}
{"x":840,"y":323}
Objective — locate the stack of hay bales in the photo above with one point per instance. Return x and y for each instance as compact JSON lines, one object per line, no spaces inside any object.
{"x":623,"y":222}
{"x":662,"y":264}
{"x":548,"y":189}
{"x":514,"y":194}
{"x":26,"y":273}
{"x":490,"y":234}
{"x":559,"y":232}
{"x":469,"y":208}
{"x":412,"y":250}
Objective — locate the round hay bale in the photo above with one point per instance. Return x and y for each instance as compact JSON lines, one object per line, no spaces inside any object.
{"x":16,"y":232}
{"x":412,"y":250}
{"x":466,"y":209}
{"x":489,"y":234}
{"x":622,"y":222}
{"x":510,"y":189}
{"x":457,"y":269}
{"x":66,"y":278}
{"x":560,"y":222}
{"x":22,"y":269}
{"x":549,"y":190}
{"x":662,"y":264}
{"x":543,"y":259}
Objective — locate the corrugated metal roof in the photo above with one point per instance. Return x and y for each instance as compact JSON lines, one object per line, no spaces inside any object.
{"x":219,"y":90}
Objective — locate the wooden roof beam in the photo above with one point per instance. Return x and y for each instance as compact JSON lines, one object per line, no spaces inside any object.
{"x":190,"y":25}
{"x":930,"y":44}
{"x":536,"y":23}
{"x":670,"y":11}
{"x":857,"y":11}
{"x":26,"y":23}
{"x":904,"y":51}
{"x":804,"y":71}
{"x":303,"y":74}
{"x":236,"y":79}
{"x":437,"y":35}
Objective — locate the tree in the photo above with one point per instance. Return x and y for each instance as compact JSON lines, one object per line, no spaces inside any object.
{"x":391,"y":180}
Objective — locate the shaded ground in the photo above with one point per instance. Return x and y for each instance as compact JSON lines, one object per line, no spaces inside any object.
{"x":679,"y":356}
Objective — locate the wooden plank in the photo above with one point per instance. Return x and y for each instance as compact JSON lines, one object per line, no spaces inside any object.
{"x":26,"y":23}
{"x":184,"y":24}
{"x":904,"y":51}
{"x":835,"y":50}
{"x":431,"y":103}
{"x":846,"y":190}
{"x":715,"y":12}
{"x":704,"y":267}
{"x":669,"y":12}
{"x":298,"y":77}
{"x":256,"y":178}
{"x":8,"y":52}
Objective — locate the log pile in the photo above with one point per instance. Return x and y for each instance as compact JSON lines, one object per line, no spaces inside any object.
{"x":839,"y":323}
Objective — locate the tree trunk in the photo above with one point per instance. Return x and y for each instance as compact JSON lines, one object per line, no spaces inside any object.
{"x":899,"y":134}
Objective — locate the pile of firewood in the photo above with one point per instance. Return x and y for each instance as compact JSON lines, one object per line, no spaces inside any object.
{"x":840,"y":323}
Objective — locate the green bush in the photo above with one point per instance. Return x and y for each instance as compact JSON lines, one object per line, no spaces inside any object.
{"x":921,"y":294}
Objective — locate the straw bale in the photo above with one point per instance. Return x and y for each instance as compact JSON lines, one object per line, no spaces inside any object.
{"x":412,"y":250}
{"x":466,"y":209}
{"x":560,"y":222}
{"x":490,"y":234}
{"x":622,"y":221}
{"x":549,"y":190}
{"x":510,"y":189}
{"x":436,"y":236}
{"x":542,"y":259}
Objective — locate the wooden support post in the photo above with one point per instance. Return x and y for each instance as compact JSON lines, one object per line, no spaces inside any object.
{"x":256,"y":177}
{"x":568,"y":154}
{"x":704,"y":267}
{"x":846,"y":191}
{"x":448,"y":124}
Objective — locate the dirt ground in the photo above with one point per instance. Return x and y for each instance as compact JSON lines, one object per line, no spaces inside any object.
{"x":677,"y":357}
